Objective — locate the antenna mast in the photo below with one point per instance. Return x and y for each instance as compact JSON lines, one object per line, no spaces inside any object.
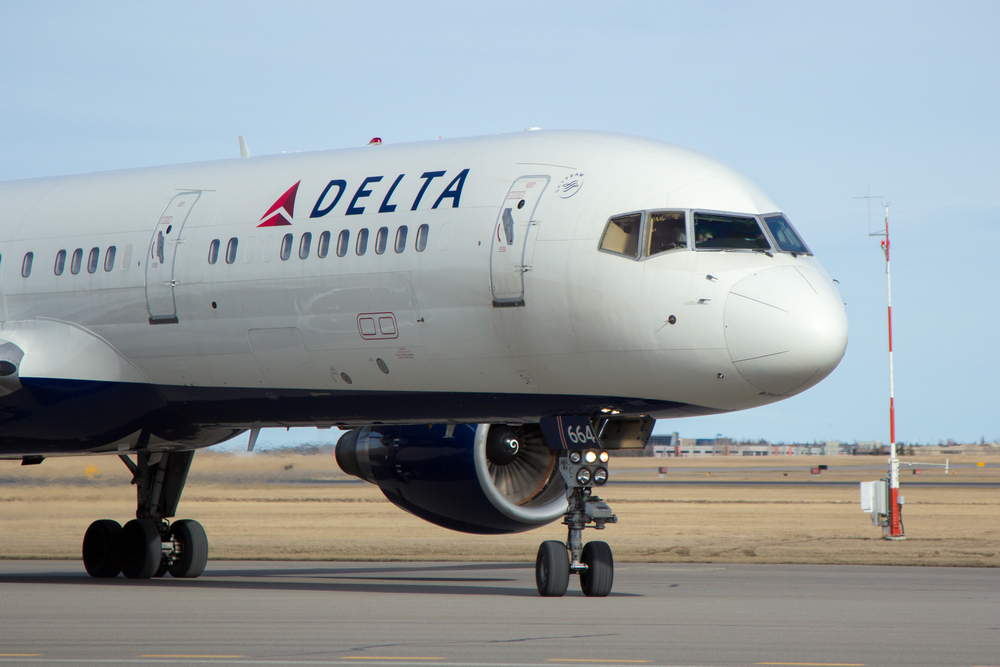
{"x":894,"y":531}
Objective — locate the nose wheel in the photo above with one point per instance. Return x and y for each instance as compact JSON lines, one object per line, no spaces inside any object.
{"x":593,"y":562}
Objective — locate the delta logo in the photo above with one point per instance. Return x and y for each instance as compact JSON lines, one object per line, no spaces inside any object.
{"x":284,"y":204}
{"x":282,"y":211}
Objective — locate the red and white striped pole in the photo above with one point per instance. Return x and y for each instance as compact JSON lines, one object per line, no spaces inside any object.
{"x":894,"y":531}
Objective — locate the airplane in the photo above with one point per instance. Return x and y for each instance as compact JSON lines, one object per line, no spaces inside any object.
{"x":486,"y":317}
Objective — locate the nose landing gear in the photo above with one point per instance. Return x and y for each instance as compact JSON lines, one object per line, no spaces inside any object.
{"x":593,"y":562}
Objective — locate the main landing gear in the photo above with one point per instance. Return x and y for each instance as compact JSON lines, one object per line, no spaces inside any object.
{"x":149,"y":545}
{"x":593,"y":561}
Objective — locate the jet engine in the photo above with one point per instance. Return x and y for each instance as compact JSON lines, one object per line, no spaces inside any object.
{"x":484,"y":479}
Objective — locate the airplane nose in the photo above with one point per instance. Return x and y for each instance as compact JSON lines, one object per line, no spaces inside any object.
{"x":786,"y":329}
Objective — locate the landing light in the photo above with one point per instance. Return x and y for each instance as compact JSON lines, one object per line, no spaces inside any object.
{"x":590,"y":456}
{"x":574,"y":457}
{"x":583,"y":476}
{"x":604,"y":457}
{"x":600,"y":476}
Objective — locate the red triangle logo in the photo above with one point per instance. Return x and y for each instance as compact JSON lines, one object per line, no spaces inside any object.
{"x":286,"y":202}
{"x":277,"y":221}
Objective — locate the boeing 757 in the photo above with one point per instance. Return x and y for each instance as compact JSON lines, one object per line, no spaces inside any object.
{"x":487,"y":318}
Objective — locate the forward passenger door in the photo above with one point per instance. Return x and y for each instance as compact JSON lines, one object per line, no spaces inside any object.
{"x":510,"y":236}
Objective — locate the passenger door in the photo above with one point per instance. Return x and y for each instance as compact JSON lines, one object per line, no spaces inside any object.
{"x":509,"y":244}
{"x":160,"y":280}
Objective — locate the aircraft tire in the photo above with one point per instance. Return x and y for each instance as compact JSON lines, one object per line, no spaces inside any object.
{"x":193,"y":546}
{"x":552,"y":569}
{"x":141,"y":549}
{"x":102,"y":553}
{"x":597,"y":579}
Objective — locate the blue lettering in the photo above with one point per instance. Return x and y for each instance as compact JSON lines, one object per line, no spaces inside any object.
{"x":454,"y":190}
{"x":386,"y":207}
{"x":358,"y":210}
{"x":317,"y":211}
{"x":428,"y":176}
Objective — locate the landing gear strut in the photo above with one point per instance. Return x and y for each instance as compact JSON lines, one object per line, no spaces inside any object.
{"x":593,"y":562}
{"x":149,"y":545}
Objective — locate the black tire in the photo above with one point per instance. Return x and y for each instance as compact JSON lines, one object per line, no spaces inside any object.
{"x":599,"y":576}
{"x":552,"y":569}
{"x":162,"y":570}
{"x":102,"y":552}
{"x":193,"y":546}
{"x":140,"y":549}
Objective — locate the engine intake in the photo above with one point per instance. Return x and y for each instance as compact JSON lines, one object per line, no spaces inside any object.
{"x":483,"y":478}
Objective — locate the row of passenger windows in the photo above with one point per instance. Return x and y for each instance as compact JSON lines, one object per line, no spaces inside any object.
{"x":651,"y":233}
{"x":323,"y":244}
{"x":75,"y":261}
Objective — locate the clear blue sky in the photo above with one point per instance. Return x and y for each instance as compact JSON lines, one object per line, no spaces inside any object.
{"x":815,"y":102}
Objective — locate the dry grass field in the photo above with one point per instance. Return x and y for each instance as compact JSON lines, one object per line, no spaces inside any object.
{"x":269,"y":506}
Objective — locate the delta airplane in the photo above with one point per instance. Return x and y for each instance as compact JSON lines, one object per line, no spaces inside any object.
{"x":485,"y":317}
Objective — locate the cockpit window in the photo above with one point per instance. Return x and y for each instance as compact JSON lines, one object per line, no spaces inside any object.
{"x":622,"y":235}
{"x":784,"y":235}
{"x":728,"y":232}
{"x":666,"y":232}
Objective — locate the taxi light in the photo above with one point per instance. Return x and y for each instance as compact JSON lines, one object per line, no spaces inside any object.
{"x":600,"y":476}
{"x":583,"y":476}
{"x":590,"y":456}
{"x":604,"y":457}
{"x":574,"y":457}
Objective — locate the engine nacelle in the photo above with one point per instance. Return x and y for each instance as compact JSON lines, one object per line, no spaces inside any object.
{"x":484,"y":479}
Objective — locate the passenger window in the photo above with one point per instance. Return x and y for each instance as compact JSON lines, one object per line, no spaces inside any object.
{"x":213,"y":251}
{"x":231,"y":250}
{"x":380,"y":239}
{"x":400,"y":239}
{"x":286,"y":247}
{"x":422,"y":237}
{"x":785,"y":235}
{"x":304,"y":244}
{"x":728,"y":232}
{"x":343,"y":241}
{"x":362,"y":244}
{"x":92,"y":258}
{"x":622,"y":235}
{"x":109,"y":259}
{"x":60,"y":263}
{"x":76,"y":262}
{"x":26,"y":264}
{"x":323,"y":249}
{"x":666,"y":232}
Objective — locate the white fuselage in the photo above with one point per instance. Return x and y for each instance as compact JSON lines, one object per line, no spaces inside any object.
{"x":495,"y":319}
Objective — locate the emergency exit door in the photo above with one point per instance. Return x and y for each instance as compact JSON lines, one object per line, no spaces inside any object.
{"x":509,"y":249}
{"x":160,"y":278}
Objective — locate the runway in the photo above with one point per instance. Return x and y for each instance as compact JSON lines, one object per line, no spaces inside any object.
{"x":488,"y":614}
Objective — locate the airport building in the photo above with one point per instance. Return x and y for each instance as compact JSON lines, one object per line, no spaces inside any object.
{"x":672,"y":445}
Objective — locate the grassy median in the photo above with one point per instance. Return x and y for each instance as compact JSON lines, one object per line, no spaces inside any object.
{"x":302,"y":507}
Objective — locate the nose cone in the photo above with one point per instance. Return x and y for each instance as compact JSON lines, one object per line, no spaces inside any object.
{"x":786,"y":329}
